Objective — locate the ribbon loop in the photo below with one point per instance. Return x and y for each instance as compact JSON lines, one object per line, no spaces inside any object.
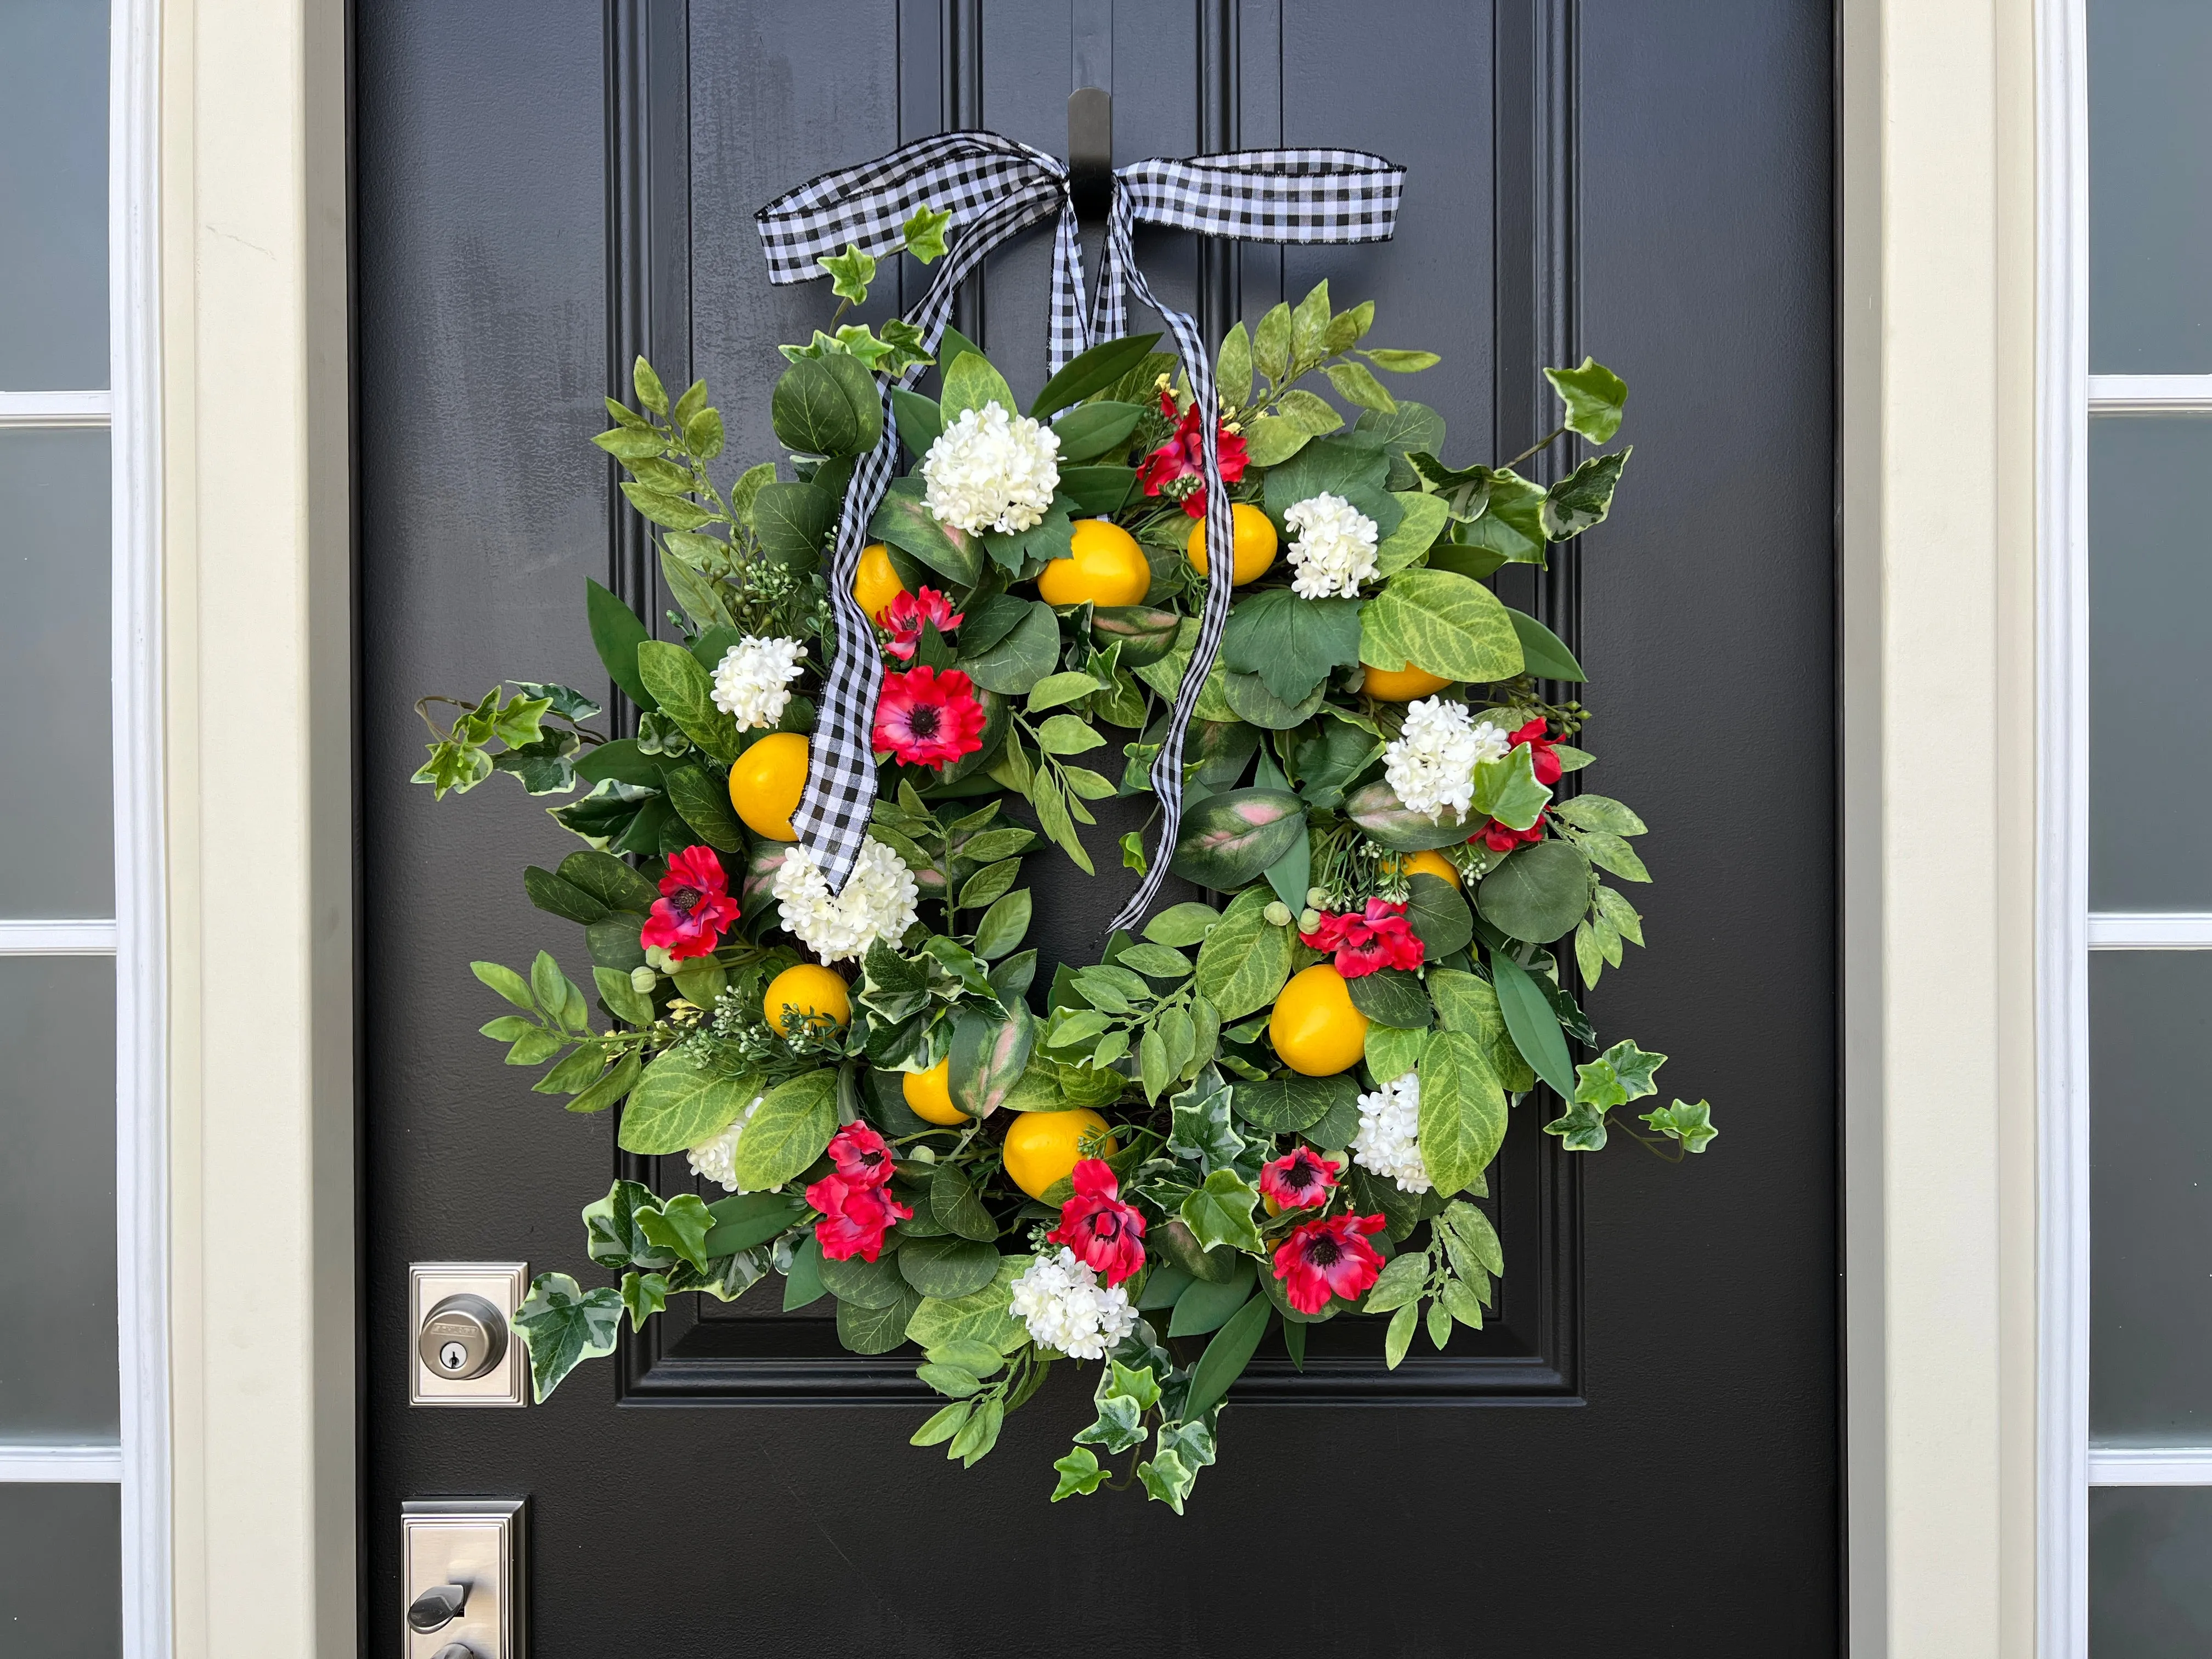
{"x":995,"y":188}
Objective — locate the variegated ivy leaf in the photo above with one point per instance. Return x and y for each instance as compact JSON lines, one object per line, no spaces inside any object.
{"x":1581,"y":1130}
{"x":924,"y":232}
{"x":1622,"y":1073}
{"x":561,"y":1325}
{"x":1594,"y":395}
{"x":1691,"y":1124}
{"x":850,"y":273}
{"x":1584,"y":496}
{"x":1078,"y":1471}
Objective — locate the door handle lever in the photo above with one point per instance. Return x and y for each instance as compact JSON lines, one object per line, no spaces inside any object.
{"x":436,"y":1608}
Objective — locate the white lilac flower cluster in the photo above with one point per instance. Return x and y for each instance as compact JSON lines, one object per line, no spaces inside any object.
{"x":1431,"y":763}
{"x":752,"y":682}
{"x":878,"y":902}
{"x":1065,"y":1307}
{"x":1334,"y":551}
{"x":716,"y":1157}
{"x":992,"y":471}
{"x":1389,"y":1141}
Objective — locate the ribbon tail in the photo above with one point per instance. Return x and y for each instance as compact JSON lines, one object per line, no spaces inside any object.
{"x":1070,"y":330}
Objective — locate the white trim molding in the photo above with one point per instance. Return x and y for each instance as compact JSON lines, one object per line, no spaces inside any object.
{"x":64,"y":1465}
{"x":2150,"y":394}
{"x":2150,"y":930}
{"x":2150,"y":1466}
{"x":54,"y":409}
{"x":56,"y":939}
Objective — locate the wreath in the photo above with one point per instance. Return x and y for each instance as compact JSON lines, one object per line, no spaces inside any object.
{"x":1247,"y":1116}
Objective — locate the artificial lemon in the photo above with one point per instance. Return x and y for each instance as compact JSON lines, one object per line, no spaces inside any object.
{"x":767,"y":781}
{"x":808,"y":989}
{"x":1256,"y":544}
{"x":1044,"y":1147}
{"x":1426,"y":864}
{"x":875,"y":584}
{"x":1106,"y":566}
{"x":1315,"y":1028}
{"x":1401,"y":684}
{"x":929,"y":1094}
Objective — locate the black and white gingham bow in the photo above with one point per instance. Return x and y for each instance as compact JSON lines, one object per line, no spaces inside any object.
{"x":995,"y":188}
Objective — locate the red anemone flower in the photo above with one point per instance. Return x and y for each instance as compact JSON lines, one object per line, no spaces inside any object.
{"x":855,"y":1215}
{"x":927,"y":717}
{"x":904,"y":615}
{"x":1542,"y":761}
{"x":1499,"y":838}
{"x":1106,"y":1233}
{"x":695,"y":907}
{"x":860,"y":1155}
{"x":1330,"y":1257}
{"x":1364,"y":940}
{"x":1182,"y":456}
{"x":1298,"y":1179}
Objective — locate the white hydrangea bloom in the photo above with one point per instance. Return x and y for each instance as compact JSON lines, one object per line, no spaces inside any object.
{"x":1334,"y":551}
{"x":1065,"y":1307}
{"x":992,"y":471}
{"x":1389,"y":1141}
{"x":878,"y":902}
{"x":752,"y":681}
{"x":716,"y":1157}
{"x":1431,"y":763}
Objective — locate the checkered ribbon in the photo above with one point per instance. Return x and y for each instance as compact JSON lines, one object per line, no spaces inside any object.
{"x":995,"y":188}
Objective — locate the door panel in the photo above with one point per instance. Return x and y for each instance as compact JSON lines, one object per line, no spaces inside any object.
{"x":536,"y":205}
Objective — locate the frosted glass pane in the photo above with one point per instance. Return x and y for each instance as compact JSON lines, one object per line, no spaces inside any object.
{"x":2150,"y":187}
{"x":2150,"y":1146}
{"x":58,"y":1199}
{"x":57,"y":856}
{"x":2150,"y":675}
{"x":53,"y":195}
{"x":2150,"y":1573}
{"x":61,"y":1570}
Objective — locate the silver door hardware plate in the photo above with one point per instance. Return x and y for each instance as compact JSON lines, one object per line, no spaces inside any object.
{"x":461,"y":1352}
{"x":462,"y":1563}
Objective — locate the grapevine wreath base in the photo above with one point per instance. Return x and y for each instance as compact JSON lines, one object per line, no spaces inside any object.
{"x":1247,"y":1116}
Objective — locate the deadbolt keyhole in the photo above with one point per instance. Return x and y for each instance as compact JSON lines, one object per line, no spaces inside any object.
{"x":462,"y":1337}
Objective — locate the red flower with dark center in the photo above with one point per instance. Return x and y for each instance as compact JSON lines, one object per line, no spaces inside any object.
{"x":855,"y":1215}
{"x":695,"y":907}
{"x":904,"y":615}
{"x":927,"y":717}
{"x":1543,"y":761}
{"x":1106,"y":1234}
{"x":1330,"y":1257}
{"x":1182,"y":456}
{"x":1499,"y":838}
{"x":1366,"y":940}
{"x":860,"y":1155}
{"x":1299,"y":1179}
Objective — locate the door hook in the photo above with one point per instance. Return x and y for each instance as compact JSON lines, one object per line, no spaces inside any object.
{"x":1091,"y":152}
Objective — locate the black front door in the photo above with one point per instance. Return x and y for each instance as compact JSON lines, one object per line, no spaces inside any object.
{"x":1641,"y":1455}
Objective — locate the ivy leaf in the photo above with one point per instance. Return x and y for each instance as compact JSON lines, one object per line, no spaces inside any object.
{"x":1620,"y":1074}
{"x":1078,"y":1471}
{"x":850,"y":272}
{"x":1119,"y":1425}
{"x":1581,"y":1130}
{"x":924,"y":232}
{"x":1507,"y":788}
{"x":457,"y":767}
{"x":679,"y":1224}
{"x":562,"y":1325}
{"x":1584,"y":496}
{"x":1691,"y":1124}
{"x":1220,"y":1213}
{"x":612,"y":1237}
{"x":1201,"y":1127}
{"x":1594,"y":396}
{"x":643,"y":1295}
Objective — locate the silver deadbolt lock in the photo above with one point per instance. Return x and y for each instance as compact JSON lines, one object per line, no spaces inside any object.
{"x":462,"y":1337}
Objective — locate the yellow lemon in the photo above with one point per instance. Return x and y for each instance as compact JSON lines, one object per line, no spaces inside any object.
{"x":1426,"y":864}
{"x":929,"y":1094}
{"x":766,"y":783}
{"x":875,"y":584}
{"x":1043,"y":1147}
{"x":1314,"y":1027}
{"x":808,"y":989}
{"x":1401,"y":684}
{"x":1256,"y":544}
{"x":1107,"y":568}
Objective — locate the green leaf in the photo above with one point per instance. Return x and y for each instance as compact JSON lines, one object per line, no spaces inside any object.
{"x":1401,"y":362}
{"x":1225,"y":1357}
{"x":750,"y":1219}
{"x":802,"y":1285}
{"x":1271,"y":343}
{"x":643,"y":1295}
{"x":1310,"y":322}
{"x":1232,"y":372}
{"x":948,"y":1267}
{"x":1204,"y":1307}
{"x":1228,"y":839}
{"x":609,"y":880}
{"x":1015,"y":665}
{"x":945,"y":1424}
{"x":1094,"y":430}
{"x":1538,"y":893}
{"x":646,"y":384}
{"x":990,"y":1052}
{"x":970,"y":382}
{"x":1246,"y":959}
{"x":1467,"y":1004}
{"x":1620,"y":1074}
{"x":681,"y":1103}
{"x":788,"y":1131}
{"x":951,"y":1380}
{"x":1621,"y":913}
{"x":1355,"y":384}
{"x":1096,"y":492}
{"x":1157,"y":961}
{"x":921,"y":422}
{"x":703,"y":803}
{"x":1220,"y":1213}
{"x":876,"y":1330}
{"x":1387,"y":820}
{"x":1594,"y":396}
{"x":1543,"y":653}
{"x":508,"y":983}
{"x":864,"y":1284}
{"x":1003,"y":926}
{"x":1291,"y":643}
{"x":1066,"y":734}
{"x":1056,"y":689}
{"x":1584,"y":496}
{"x":612,"y":1237}
{"x":989,"y":885}
{"x":924,"y":232}
{"x":1424,"y":521}
{"x":1391,"y":1052}
{"x":905,"y":521}
{"x":811,"y":413}
{"x":1289,"y":1104}
{"x":1438,"y":917}
{"x":1441,"y":622}
{"x":1462,"y":1120}
{"x":616,"y":632}
{"x":1270,"y":440}
{"x":1533,"y":1023}
{"x":686,"y":693}
{"x":1691,"y":1124}
{"x":791,"y":520}
{"x":1091,"y":371}
{"x":1400,"y":1335}
{"x":1601,"y":812}
{"x":562,"y":1324}
{"x":1391,"y":996}
{"x":1401,"y":1281}
{"x":1078,"y":1471}
{"x":679,"y":1225}
{"x":1610,"y":853}
{"x":980,"y":1316}
{"x":1249,"y":699}
{"x":953,"y":1200}
{"x":1187,"y":923}
{"x":850,"y":273}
